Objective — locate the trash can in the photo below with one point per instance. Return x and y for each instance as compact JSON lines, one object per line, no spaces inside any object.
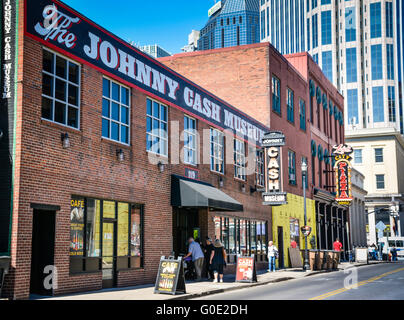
{"x":335,"y":259}
{"x":4,"y":266}
{"x":329,"y":260}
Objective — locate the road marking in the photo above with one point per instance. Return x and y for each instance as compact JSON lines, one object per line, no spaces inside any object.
{"x":335,"y":292}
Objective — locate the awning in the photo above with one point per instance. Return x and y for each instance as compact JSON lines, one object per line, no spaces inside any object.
{"x":191,"y":193}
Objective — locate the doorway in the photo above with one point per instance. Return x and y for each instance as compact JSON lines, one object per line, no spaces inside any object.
{"x":108,"y":254}
{"x":43,"y":251}
{"x":281,"y":262}
{"x":185,"y":225}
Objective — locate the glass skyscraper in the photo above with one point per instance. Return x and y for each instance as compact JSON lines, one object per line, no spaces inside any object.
{"x":231,"y":23}
{"x":357,"y":43}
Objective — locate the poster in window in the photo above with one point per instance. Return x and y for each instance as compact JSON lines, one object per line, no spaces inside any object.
{"x":77,"y":227}
{"x":135,"y":235}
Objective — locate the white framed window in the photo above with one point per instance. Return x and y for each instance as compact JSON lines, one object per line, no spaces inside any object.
{"x":156,"y":127}
{"x":379,"y":155}
{"x":380,"y":181}
{"x":239,"y":159}
{"x":60,"y":90}
{"x":115,"y":111}
{"x":190,"y":140}
{"x":216,"y":151}
{"x":358,"y":156}
{"x":259,"y":168}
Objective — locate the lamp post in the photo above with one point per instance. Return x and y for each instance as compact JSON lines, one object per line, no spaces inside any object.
{"x":306,"y":265}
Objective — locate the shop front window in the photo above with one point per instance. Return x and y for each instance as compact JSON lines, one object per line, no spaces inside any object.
{"x":217,"y":227}
{"x":93,"y":228}
{"x":294,"y":231}
{"x":232,"y":236}
{"x":225,"y":233}
{"x":136,"y":232}
{"x":243,"y":239}
{"x":77,"y":226}
{"x":123,"y":229}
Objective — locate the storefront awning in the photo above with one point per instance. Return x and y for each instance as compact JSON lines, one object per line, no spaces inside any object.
{"x":190,"y":193}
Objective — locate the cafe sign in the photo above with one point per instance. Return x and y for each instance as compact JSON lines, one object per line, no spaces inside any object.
{"x":342,"y":170}
{"x":272,"y":143}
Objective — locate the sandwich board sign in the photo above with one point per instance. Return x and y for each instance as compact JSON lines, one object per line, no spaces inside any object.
{"x":246,"y":270}
{"x":170,"y":277}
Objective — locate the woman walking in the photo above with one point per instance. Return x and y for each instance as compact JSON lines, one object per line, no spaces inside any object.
{"x":272,"y":254}
{"x":218,"y":260}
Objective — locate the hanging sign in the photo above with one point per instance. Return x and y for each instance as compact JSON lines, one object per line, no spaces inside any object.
{"x":306,"y":230}
{"x":170,"y":277}
{"x":342,"y":169}
{"x":246,"y":270}
{"x":272,"y":143}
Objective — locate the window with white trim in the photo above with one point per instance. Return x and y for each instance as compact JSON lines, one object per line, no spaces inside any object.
{"x":216,"y":151}
{"x":157,"y":134}
{"x":60,"y":90}
{"x":115,"y":111}
{"x":239,"y":159}
{"x":189,"y":140}
{"x":259,"y":168}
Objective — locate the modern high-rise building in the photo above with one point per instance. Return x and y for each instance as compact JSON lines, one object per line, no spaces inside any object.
{"x":192,"y":45}
{"x":359,"y":46}
{"x":155,"y":51}
{"x":231,"y":23}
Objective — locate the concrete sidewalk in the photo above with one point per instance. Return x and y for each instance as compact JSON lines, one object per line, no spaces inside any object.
{"x":196,"y":289}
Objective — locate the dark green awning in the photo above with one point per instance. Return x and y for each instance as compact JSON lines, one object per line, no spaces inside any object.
{"x":191,"y":193}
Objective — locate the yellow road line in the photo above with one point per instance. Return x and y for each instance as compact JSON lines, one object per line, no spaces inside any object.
{"x":335,"y":292}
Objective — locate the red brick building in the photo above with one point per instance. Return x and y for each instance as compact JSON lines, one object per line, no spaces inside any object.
{"x":115,"y":160}
{"x":287,"y":93}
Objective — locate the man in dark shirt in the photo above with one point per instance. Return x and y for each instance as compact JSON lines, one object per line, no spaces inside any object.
{"x":208,"y":251}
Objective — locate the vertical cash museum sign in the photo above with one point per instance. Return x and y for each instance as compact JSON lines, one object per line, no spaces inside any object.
{"x":342,"y":155}
{"x":8,"y":33}
{"x":272,"y":144}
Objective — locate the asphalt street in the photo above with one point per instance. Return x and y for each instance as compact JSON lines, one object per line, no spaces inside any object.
{"x":375,"y":282}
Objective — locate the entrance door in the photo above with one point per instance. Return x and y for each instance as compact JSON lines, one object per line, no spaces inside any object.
{"x":281,"y":263}
{"x":185,"y":225}
{"x":43,"y":249}
{"x":108,"y":255}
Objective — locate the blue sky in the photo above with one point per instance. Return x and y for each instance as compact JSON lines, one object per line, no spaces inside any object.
{"x":162,"y":22}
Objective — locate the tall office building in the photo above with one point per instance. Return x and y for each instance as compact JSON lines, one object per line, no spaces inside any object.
{"x":231,"y":23}
{"x":155,"y":51}
{"x":359,"y":46}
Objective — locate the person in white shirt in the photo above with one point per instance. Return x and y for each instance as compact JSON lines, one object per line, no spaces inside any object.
{"x":272,"y":255}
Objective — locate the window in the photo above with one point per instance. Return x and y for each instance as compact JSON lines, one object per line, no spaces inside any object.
{"x":389,"y":19}
{"x":302,"y":114}
{"x":292,"y":167}
{"x":216,"y":151}
{"x":326,"y":27}
{"x":60,"y":90}
{"x":391,"y":103}
{"x":351,"y":67}
{"x":239,"y":159}
{"x":276,"y":95}
{"x":314,"y":28}
{"x":315,"y":57}
{"x":115,"y":111}
{"x":313,"y":4}
{"x":290,"y":106}
{"x":350,"y":24}
{"x":352,"y":95}
{"x":390,"y":61}
{"x":105,"y":230}
{"x":375,"y":20}
{"x":156,"y":128}
{"x":378,"y":104}
{"x":189,"y":140}
{"x":325,"y":1}
{"x":380,"y":181}
{"x":377,"y":66}
{"x":259,"y":168}
{"x":378,"y":155}
{"x":327,"y":64}
{"x":358,"y":156}
{"x":262,"y":25}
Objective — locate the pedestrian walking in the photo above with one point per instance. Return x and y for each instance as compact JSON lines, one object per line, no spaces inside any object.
{"x":393,"y":252}
{"x":293,"y":244}
{"x":196,"y":253}
{"x":272,"y":255}
{"x":218,"y":260}
{"x":337,"y":245}
{"x":208,"y":252}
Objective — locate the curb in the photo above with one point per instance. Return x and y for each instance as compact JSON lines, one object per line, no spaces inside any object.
{"x":256,"y":284}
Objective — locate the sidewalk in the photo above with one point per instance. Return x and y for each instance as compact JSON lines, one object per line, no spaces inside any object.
{"x":197,"y":289}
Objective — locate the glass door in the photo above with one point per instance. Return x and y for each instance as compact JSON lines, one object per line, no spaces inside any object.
{"x":108,"y":254}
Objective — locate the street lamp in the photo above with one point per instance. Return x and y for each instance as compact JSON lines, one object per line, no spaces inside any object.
{"x":306,"y":265}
